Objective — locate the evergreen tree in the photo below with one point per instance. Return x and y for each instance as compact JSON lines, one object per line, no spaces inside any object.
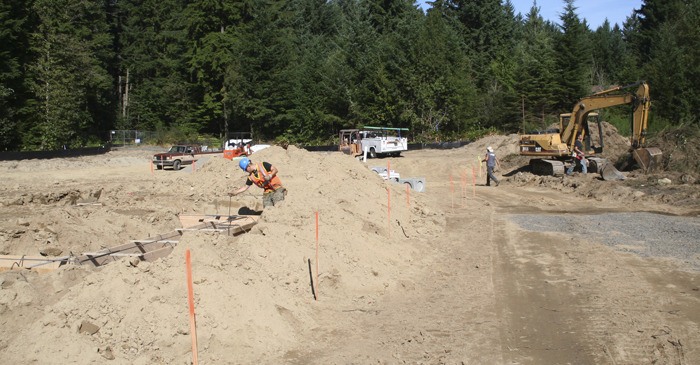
{"x":308,"y":112}
{"x":611,"y":56}
{"x":384,"y":97}
{"x":156,"y":91}
{"x":13,"y":45}
{"x":68,"y":77}
{"x":674,"y":68}
{"x":258,"y":82}
{"x":651,"y":16}
{"x":211,"y":30}
{"x":537,"y":84}
{"x":442,"y":87}
{"x":573,"y":59}
{"x":500,"y":99}
{"x":633,"y":66}
{"x":486,"y":28}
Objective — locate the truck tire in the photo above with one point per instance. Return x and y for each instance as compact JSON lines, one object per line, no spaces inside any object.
{"x":159,"y":167}
{"x":176,"y":165}
{"x":372,"y":153}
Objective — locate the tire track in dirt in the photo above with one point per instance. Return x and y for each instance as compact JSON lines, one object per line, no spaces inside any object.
{"x":543,"y":320}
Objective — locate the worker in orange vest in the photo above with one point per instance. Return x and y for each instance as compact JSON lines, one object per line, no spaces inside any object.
{"x":264,"y":176}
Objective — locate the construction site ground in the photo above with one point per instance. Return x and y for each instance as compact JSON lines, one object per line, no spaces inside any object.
{"x":539,"y":270}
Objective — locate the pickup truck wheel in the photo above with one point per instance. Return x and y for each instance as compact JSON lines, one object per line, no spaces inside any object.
{"x":159,"y":167}
{"x":372,"y":153}
{"x":176,"y":165}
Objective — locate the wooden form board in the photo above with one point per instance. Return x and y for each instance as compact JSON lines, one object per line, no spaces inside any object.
{"x":148,"y":249}
{"x":232,"y":225}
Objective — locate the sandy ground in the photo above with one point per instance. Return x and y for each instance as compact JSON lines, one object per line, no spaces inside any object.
{"x":447,"y":276}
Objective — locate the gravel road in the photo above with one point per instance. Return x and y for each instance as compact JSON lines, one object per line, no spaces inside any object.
{"x":645,"y":234}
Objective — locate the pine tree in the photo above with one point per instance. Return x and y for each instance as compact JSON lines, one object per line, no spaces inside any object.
{"x":537,"y":84}
{"x":257,"y":81}
{"x":211,"y":26}
{"x":68,"y":77}
{"x":442,"y":87}
{"x":573,"y":58}
{"x":156,"y":91}
{"x":13,"y":45}
{"x":674,"y":66}
{"x":611,"y":56}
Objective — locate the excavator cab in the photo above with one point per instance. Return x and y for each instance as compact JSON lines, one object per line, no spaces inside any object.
{"x":592,"y":132}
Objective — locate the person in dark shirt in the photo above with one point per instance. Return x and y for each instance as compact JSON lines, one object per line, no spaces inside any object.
{"x":579,"y":157}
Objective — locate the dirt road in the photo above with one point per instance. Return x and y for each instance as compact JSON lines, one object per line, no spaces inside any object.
{"x":459,"y":274}
{"x":489,"y":292}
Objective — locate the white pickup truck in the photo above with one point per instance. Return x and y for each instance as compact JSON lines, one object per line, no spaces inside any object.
{"x":376,"y":141}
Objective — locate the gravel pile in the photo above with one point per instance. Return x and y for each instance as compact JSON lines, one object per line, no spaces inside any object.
{"x":645,"y":234}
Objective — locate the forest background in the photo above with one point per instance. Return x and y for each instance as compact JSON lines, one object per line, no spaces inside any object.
{"x":297,"y":71}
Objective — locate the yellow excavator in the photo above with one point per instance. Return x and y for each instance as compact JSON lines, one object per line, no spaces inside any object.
{"x":553,"y":148}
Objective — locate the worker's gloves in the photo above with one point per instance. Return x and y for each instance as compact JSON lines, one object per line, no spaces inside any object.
{"x":268,"y":178}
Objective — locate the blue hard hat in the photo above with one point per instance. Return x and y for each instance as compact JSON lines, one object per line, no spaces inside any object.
{"x":243,"y":163}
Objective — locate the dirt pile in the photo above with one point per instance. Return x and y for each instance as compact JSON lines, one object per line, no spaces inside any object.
{"x":681,"y":148}
{"x":252,"y":291}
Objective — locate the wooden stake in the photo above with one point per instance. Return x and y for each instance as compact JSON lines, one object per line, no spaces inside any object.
{"x":463,"y":180}
{"x":478,"y":160}
{"x":190,"y":300}
{"x":316,"y":281}
{"x":388,"y":210}
{"x":452,"y":191}
{"x":408,"y":196}
{"x":473,"y":181}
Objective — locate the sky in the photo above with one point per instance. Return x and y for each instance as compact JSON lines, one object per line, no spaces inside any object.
{"x":594,"y":11}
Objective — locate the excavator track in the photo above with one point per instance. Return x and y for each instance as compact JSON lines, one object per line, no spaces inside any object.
{"x":547,"y":167}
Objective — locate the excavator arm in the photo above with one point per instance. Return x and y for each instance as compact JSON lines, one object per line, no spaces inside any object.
{"x":639,"y":101}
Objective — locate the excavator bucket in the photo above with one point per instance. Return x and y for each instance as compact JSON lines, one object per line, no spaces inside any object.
{"x":647,"y":158}
{"x":606,"y":169}
{"x":609,"y":172}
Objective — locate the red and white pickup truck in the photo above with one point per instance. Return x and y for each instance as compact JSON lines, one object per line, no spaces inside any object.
{"x":180,"y":155}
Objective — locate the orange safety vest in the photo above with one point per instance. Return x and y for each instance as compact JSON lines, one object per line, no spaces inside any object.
{"x":259,"y":179}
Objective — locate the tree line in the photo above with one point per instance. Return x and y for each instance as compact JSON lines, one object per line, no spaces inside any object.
{"x":297,"y":71}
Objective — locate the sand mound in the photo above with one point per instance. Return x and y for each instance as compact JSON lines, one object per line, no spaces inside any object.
{"x":252,"y":291}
